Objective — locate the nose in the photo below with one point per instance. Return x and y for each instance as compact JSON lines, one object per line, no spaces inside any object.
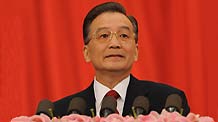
{"x":114,"y":41}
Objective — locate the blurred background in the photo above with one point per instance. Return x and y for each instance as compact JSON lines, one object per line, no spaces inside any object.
{"x":41,"y":50}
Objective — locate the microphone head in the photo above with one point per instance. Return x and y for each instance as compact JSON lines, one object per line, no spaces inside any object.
{"x":77,"y":106}
{"x":173,"y":103}
{"x":108,"y":106}
{"x":46,"y":107}
{"x":141,"y":105}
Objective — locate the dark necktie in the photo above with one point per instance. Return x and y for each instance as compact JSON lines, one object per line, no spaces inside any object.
{"x":114,"y":94}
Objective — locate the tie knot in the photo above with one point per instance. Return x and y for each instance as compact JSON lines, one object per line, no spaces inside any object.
{"x":113,"y":93}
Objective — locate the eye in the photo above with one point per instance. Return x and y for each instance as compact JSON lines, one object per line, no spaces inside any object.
{"x":104,"y":36}
{"x":123,"y":35}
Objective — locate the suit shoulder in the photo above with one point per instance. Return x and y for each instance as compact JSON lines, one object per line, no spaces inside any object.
{"x":157,"y":86}
{"x":61,"y":105}
{"x":158,"y":93}
{"x":70,"y":97}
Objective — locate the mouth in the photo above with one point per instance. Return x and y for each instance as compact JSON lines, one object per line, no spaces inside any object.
{"x":114,"y":56}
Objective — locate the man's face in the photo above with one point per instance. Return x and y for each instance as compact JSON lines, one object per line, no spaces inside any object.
{"x":112,"y":46}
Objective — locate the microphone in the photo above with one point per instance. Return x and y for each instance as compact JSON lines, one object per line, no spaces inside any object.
{"x":140,"y":105}
{"x":77,"y":106}
{"x":109,"y":105}
{"x":46,"y":107}
{"x":173,"y":103}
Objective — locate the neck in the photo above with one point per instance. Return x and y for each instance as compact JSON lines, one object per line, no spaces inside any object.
{"x":110,"y":79}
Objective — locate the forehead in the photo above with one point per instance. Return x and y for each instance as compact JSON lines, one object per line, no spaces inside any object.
{"x":111,"y":20}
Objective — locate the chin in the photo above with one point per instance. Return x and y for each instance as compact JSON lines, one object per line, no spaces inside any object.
{"x":116,"y":68}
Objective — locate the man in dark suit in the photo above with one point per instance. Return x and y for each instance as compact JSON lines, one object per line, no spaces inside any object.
{"x":111,"y":45}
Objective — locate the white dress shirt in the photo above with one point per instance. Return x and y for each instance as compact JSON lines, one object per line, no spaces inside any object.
{"x":100,"y":90}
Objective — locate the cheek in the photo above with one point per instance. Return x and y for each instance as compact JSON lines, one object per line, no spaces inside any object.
{"x":132,"y":53}
{"x":131,"y":50}
{"x":95,"y":52}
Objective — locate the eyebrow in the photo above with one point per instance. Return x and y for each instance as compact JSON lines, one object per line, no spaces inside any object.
{"x":105,"y":28}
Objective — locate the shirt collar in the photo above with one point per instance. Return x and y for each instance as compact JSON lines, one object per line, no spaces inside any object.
{"x":100,"y":90}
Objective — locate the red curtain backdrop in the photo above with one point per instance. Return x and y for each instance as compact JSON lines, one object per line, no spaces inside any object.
{"x":41,"y":50}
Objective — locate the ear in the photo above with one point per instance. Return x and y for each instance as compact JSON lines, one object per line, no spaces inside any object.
{"x":86,"y":53}
{"x":136,"y":52}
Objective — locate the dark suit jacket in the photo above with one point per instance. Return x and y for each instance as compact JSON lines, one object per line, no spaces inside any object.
{"x":155,"y":92}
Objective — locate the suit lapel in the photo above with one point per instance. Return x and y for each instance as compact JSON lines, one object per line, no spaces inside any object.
{"x":133,"y":91}
{"x":130,"y":95}
{"x":90,"y":99}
